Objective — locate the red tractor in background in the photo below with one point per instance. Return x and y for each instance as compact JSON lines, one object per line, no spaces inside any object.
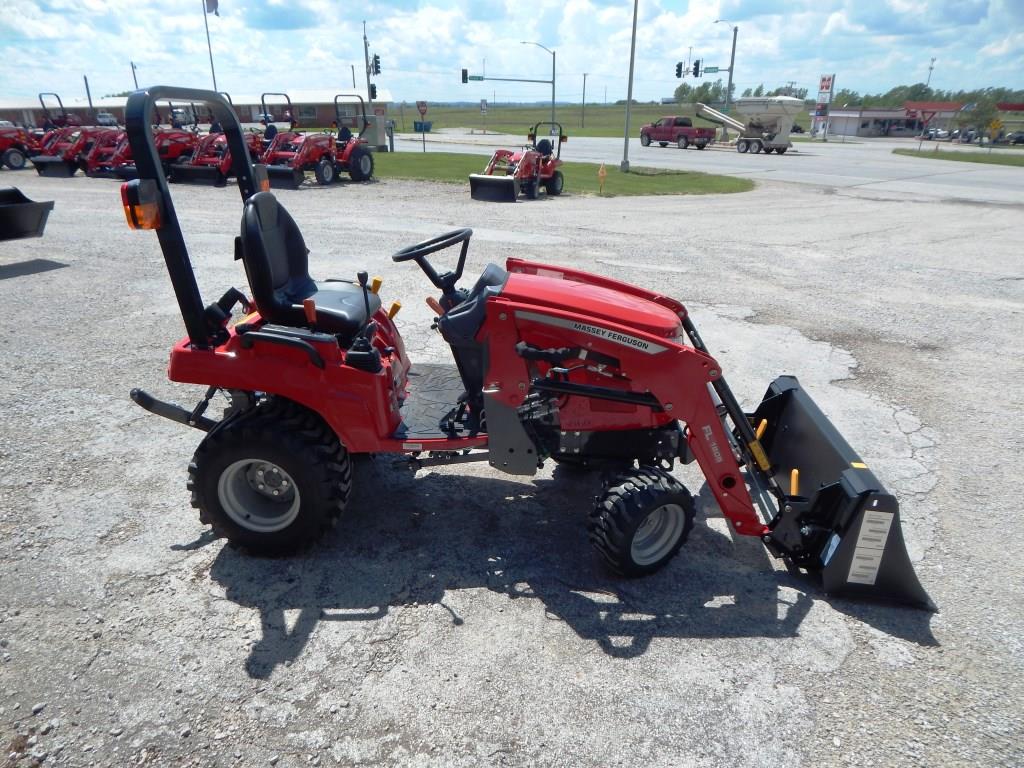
{"x":210,"y":162}
{"x":63,"y":120}
{"x":96,"y":162}
{"x":173,"y":145}
{"x":292,"y":153}
{"x":16,"y":146}
{"x":63,"y":156}
{"x":511,"y":172}
{"x":550,"y":363}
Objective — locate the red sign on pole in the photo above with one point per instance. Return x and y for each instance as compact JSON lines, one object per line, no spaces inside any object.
{"x":422,"y":107}
{"x":825,"y":83}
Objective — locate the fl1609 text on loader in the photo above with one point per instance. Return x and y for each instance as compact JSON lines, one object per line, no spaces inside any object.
{"x":552,"y":363}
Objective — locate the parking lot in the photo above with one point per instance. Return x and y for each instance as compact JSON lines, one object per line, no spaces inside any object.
{"x":457,"y":616}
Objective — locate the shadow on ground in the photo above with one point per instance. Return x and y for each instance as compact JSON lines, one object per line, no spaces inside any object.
{"x":406,"y":540}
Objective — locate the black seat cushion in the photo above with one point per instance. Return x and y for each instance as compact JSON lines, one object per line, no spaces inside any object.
{"x":276,"y":263}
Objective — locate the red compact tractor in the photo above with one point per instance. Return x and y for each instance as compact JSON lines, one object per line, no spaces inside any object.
{"x":97,"y":161}
{"x":62,"y":120}
{"x":511,"y":172}
{"x":173,"y":145}
{"x":293,"y":153}
{"x":211,"y":162}
{"x":16,"y":146}
{"x":64,"y":155}
{"x":549,"y":363}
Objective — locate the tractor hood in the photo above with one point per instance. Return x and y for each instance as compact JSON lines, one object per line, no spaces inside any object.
{"x":595,"y":302}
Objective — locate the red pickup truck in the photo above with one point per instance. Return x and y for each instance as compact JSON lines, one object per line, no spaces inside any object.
{"x":678,"y":131}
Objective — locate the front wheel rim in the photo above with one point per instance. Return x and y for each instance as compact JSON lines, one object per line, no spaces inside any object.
{"x":656,"y":536}
{"x":258,"y":495}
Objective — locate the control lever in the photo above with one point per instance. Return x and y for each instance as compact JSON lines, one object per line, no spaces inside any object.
{"x":309,"y":307}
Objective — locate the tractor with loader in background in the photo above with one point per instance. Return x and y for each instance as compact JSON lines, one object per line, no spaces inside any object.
{"x":511,"y":172}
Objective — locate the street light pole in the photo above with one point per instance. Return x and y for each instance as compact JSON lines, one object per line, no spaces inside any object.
{"x":134,"y":77}
{"x":583,"y":111}
{"x":209,"y":47}
{"x":624,"y":165}
{"x":531,"y":42}
{"x":930,"y":68}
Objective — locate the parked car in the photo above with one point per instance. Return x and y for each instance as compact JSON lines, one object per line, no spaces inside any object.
{"x":105,"y":118}
{"x":678,"y":131}
{"x":1017,"y":137}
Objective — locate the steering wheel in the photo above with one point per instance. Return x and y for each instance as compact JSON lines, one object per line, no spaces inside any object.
{"x":444,"y":282}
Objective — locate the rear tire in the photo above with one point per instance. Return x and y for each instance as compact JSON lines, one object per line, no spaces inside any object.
{"x":645,"y":140}
{"x":741,"y":146}
{"x":641,"y":520}
{"x":360,"y":164}
{"x":755,"y":147}
{"x":701,"y":145}
{"x":272,"y":480}
{"x":325,"y":172}
{"x":15,"y":159}
{"x":555,"y":184}
{"x":683,"y":142}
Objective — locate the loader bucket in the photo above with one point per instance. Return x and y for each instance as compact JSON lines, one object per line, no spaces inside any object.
{"x":285,"y":177}
{"x":20,"y":216}
{"x":493,"y":189}
{"x":54,"y":166}
{"x":197,"y":174}
{"x":126,"y":172}
{"x":840,"y":520}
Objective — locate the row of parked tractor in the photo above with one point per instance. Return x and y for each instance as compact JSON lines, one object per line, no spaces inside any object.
{"x":195,"y":154}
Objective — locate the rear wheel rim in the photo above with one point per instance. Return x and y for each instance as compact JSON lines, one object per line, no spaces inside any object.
{"x":258,"y":495}
{"x":657,"y":534}
{"x":365,"y":165}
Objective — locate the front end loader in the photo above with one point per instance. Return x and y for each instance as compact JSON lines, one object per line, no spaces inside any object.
{"x":550,"y":363}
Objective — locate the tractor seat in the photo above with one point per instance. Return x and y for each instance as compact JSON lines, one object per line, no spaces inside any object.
{"x":544,"y":147}
{"x":276,"y":263}
{"x":344,"y":135}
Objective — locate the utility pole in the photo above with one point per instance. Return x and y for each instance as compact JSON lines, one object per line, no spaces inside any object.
{"x":530,"y":42}
{"x":366,"y":55}
{"x":930,"y":68}
{"x":732,"y":66}
{"x":624,"y":165}
{"x":353,"y":76}
{"x":583,"y":112}
{"x":136,"y":79}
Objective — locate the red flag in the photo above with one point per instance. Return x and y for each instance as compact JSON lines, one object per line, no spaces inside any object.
{"x":211,"y":7}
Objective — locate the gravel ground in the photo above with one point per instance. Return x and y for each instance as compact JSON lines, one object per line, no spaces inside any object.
{"x":458,"y":617}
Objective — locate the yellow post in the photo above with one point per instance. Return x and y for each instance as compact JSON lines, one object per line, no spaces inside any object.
{"x":602,"y":174}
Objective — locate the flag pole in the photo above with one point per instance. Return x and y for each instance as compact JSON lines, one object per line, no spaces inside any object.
{"x":208,"y":46}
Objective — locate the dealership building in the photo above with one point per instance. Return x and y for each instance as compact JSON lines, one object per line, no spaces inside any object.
{"x":907,"y":120}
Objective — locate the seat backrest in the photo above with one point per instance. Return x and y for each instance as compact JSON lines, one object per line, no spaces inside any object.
{"x":275,"y":257}
{"x":544,"y":147}
{"x":344,"y":134}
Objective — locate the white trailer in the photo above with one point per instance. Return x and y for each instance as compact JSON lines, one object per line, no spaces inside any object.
{"x":768,"y":122}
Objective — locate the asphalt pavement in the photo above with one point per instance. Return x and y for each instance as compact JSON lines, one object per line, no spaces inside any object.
{"x":457,"y":616}
{"x":865,"y":167}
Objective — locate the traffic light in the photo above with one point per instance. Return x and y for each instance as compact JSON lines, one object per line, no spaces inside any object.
{"x":696,"y":68}
{"x":465,"y":75}
{"x":373,"y":91}
{"x":679,"y":69}
{"x":376,"y":64}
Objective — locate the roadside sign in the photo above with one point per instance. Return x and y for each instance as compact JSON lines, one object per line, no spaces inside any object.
{"x":475,"y":77}
{"x":422,"y":107}
{"x":710,"y":70}
{"x":825,"y":83}
{"x":483,"y":106}
{"x":995,"y":127}
{"x":820,"y":109}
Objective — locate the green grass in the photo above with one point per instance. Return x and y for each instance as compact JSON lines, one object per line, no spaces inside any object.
{"x":601,"y":120}
{"x":993,"y":158}
{"x":580,"y":178}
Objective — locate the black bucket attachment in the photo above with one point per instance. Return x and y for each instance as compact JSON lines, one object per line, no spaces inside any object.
{"x":493,"y":189}
{"x":21,"y":217}
{"x":285,"y":177}
{"x":209,"y":175}
{"x":103,"y":172}
{"x":847,"y":526}
{"x":54,"y":166}
{"x":126,"y":172}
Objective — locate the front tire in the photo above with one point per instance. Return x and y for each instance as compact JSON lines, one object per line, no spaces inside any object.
{"x":645,"y":140}
{"x":641,"y":520}
{"x":532,"y":189}
{"x":272,"y":480}
{"x":360,"y":164}
{"x":554,"y":185}
{"x":14,"y":159}
{"x":324,"y":172}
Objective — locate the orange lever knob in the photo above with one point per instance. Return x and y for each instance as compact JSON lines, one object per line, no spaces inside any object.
{"x":435,"y":305}
{"x":309,"y":307}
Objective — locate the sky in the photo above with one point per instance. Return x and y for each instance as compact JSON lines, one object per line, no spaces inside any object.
{"x":277,"y":45}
